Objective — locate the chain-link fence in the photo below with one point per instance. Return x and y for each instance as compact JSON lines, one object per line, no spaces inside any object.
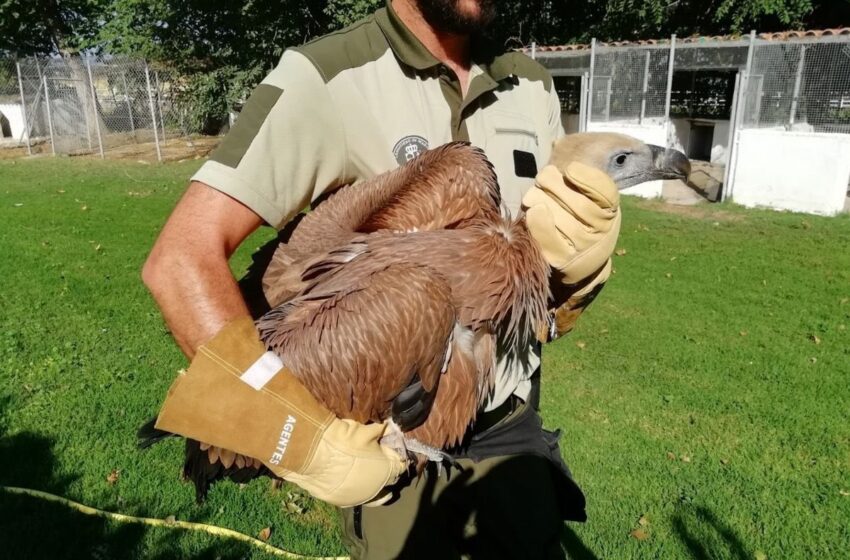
{"x":802,"y":86}
{"x":629,"y":84}
{"x":112,"y":108}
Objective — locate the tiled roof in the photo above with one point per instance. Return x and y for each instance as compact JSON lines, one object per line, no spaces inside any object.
{"x":778,"y":36}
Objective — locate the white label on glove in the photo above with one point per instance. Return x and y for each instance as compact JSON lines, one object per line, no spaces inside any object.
{"x":262,"y":371}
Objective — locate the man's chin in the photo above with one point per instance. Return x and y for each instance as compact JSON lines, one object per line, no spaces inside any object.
{"x":459,"y":17}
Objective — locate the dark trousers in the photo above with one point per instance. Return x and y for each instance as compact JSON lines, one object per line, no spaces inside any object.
{"x":510,"y":501}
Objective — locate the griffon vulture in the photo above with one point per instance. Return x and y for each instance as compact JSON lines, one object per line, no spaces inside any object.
{"x":392,"y":299}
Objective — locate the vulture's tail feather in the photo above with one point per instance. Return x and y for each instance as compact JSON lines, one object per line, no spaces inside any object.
{"x":199,"y":470}
{"x":203,"y":473}
{"x":148,"y":434}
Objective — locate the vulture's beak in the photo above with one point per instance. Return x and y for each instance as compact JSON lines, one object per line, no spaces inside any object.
{"x":669,"y":164}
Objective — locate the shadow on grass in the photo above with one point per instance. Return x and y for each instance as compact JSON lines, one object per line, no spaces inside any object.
{"x":706,"y":536}
{"x":515,"y":509}
{"x":35,"y":529}
{"x":574,"y":547}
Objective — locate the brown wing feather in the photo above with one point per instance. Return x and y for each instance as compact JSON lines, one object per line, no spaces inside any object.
{"x":498,"y":278}
{"x":355,"y":348}
{"x":442,"y":188}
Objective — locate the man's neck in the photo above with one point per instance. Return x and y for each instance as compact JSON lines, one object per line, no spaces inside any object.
{"x":450,"y":49}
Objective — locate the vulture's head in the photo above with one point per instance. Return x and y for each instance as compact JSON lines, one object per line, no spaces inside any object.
{"x":627,"y":160}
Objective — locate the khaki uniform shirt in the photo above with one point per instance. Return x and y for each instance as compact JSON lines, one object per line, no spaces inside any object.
{"x":363,"y":100}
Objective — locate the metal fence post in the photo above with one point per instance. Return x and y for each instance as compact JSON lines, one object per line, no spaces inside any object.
{"x":127,"y":98}
{"x":645,"y":88}
{"x":159,"y":105}
{"x":726,"y":191}
{"x":582,"y":104}
{"x":750,"y":51}
{"x":798,"y":80}
{"x":49,"y":115}
{"x":745,"y":80}
{"x":667,"y":101}
{"x":24,"y":108}
{"x":153,"y":112}
{"x":739,"y":107}
{"x":589,"y":113}
{"x":94,"y":109}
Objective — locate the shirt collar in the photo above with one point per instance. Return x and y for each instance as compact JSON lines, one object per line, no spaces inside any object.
{"x":406,"y":46}
{"x":410,"y":50}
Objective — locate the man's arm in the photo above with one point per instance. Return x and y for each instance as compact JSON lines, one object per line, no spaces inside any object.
{"x":271,"y":417}
{"x":187,"y":271}
{"x":286,"y":148}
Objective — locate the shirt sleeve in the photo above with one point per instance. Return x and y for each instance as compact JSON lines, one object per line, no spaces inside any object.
{"x":286,"y":148}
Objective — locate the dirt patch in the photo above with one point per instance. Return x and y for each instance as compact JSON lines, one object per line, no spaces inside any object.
{"x":13,"y":150}
{"x":699,"y":212}
{"x":173,"y":149}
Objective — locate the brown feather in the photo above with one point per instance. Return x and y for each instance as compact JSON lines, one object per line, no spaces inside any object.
{"x":227,"y":457}
{"x":213,"y":454}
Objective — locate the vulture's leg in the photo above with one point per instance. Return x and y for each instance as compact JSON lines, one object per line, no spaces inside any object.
{"x":365,"y":333}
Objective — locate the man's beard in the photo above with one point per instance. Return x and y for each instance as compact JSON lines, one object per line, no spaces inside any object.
{"x":445,"y":16}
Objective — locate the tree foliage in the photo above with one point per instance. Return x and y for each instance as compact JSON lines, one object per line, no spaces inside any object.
{"x":223,"y":48}
{"x":559,"y":22}
{"x":42,"y":27}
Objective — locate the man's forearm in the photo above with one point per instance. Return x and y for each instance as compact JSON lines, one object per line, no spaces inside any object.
{"x":187,"y":271}
{"x":196,"y":299}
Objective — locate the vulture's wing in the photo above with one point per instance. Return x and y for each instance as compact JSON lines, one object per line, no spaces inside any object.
{"x":439,"y":189}
{"x":498,"y":279}
{"x":366,"y":335}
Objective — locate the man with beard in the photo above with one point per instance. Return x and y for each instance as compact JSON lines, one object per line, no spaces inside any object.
{"x":343,"y":108}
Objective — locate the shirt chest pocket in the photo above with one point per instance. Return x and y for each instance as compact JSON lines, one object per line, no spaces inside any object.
{"x":512,"y":146}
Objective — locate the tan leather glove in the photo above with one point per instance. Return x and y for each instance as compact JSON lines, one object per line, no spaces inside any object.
{"x":574,"y":216}
{"x":237,"y":396}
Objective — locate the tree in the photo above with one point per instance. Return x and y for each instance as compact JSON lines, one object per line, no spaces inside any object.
{"x":559,"y":22}
{"x":43,"y":27}
{"x":223,"y":48}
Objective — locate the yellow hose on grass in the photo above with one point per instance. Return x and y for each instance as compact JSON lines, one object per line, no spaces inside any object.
{"x":120,"y":517}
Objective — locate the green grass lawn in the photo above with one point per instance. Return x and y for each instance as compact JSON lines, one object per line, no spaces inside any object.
{"x":705,"y":396}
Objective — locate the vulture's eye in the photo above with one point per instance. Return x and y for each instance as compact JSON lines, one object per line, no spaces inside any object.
{"x":621,"y":159}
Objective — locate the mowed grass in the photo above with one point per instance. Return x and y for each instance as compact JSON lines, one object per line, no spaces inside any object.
{"x":704,"y":396}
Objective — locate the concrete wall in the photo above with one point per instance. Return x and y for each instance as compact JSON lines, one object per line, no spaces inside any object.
{"x":652,"y":133}
{"x":13,"y":112}
{"x":799,"y":171}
